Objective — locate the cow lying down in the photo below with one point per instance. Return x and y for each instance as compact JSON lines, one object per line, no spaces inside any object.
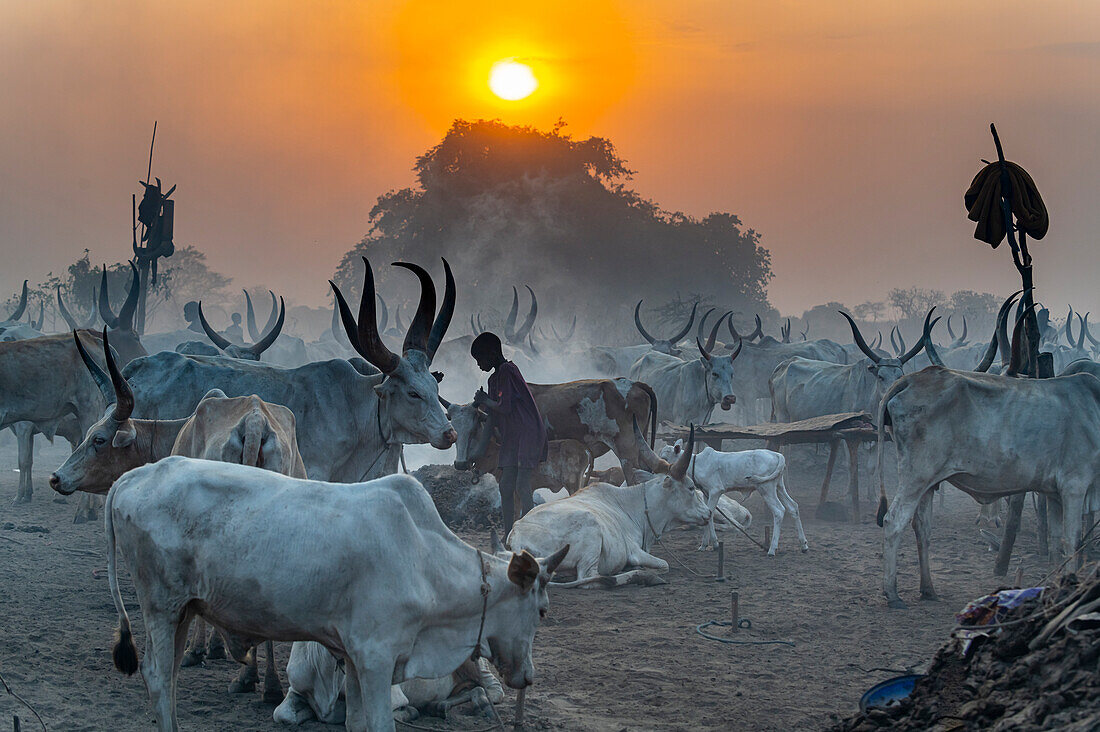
{"x":745,"y":471}
{"x":611,"y":528}
{"x":318,"y":689}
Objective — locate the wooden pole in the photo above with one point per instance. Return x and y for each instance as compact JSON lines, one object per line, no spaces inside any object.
{"x":521,"y":701}
{"x":828,"y":474}
{"x":734,"y":611}
{"x":721,"y":562}
{"x":853,"y":477}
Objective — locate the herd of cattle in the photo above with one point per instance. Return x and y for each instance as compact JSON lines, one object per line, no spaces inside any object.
{"x":221,"y":460}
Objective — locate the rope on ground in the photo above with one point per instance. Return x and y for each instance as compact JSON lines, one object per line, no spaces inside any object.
{"x":740,"y":528}
{"x":24,"y":702}
{"x":498,"y":724}
{"x":731,"y":641}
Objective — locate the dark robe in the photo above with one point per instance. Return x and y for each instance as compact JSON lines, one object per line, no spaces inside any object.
{"x":522,"y":430}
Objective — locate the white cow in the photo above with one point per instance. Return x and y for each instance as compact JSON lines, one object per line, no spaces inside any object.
{"x":367,"y":570}
{"x":745,"y":471}
{"x":611,"y":527}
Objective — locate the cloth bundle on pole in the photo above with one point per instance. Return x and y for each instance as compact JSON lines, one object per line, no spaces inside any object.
{"x":983,"y":204}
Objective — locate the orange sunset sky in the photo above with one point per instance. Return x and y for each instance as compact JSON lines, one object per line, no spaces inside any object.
{"x":845,"y":132}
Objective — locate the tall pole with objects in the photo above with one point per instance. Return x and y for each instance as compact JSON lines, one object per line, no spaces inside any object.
{"x":1005,"y":202}
{"x":156,"y":215}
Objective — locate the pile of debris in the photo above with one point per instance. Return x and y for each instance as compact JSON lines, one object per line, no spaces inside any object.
{"x":462,"y":504}
{"x":1034,"y":666}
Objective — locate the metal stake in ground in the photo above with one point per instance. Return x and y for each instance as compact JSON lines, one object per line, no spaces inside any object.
{"x":521,"y":700}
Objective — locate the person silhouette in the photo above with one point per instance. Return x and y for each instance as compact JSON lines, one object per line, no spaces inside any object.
{"x":234,"y":332}
{"x":191,"y":315}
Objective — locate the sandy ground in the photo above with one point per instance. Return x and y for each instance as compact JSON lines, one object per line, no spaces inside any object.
{"x":628,"y":659}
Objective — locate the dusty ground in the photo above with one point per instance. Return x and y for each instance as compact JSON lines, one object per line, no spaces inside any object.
{"x":628,"y":659}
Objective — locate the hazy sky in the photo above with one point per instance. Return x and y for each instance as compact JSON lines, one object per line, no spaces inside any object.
{"x":845,"y":132}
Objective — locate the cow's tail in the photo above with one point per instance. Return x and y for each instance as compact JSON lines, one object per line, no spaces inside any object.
{"x":880,"y":437}
{"x":250,"y":430}
{"x":124,"y":653}
{"x":609,"y":581}
{"x":652,"y":411}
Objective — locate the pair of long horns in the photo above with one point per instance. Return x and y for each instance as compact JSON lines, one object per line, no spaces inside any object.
{"x":706,"y":348}
{"x":114,"y":388}
{"x":256,"y":348}
{"x":568,"y":336}
{"x":869,"y":352}
{"x":1083,"y":332}
{"x":68,"y":317}
{"x":758,"y":333}
{"x":1016,"y":360}
{"x":125,"y":318}
{"x":899,"y":344}
{"x":676,"y":338}
{"x":785,"y":331}
{"x":21,"y":307}
{"x":425,"y":332}
{"x":385,"y":316}
{"x":250,"y":316}
{"x":513,"y":335}
{"x":960,"y":340}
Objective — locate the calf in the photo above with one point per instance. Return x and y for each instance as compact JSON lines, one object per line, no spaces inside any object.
{"x":745,"y":471}
{"x":311,"y":560}
{"x":611,"y":528}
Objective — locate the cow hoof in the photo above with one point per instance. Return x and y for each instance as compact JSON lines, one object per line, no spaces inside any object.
{"x":897,"y":604}
{"x":408,"y":714}
{"x":242,"y":686}
{"x":192,"y":658}
{"x":705,"y":548}
{"x":805,"y":548}
{"x":771,"y":552}
{"x":80,"y":518}
{"x":929,"y":597}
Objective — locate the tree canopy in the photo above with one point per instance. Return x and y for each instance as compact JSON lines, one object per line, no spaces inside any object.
{"x":515,"y":205}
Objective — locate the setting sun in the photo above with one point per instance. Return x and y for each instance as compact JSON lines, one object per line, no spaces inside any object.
{"x":512,"y":80}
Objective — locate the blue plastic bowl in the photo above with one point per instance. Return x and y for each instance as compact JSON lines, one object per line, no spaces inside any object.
{"x":895,"y":689}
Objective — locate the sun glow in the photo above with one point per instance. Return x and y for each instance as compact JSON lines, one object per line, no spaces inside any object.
{"x":512,"y":80}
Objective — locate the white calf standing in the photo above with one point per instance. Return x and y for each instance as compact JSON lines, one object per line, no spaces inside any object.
{"x":748,"y":470}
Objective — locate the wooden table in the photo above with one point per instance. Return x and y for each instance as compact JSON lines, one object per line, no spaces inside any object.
{"x":851,"y":428}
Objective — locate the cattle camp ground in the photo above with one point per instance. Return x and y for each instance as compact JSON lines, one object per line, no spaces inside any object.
{"x":630,"y":661}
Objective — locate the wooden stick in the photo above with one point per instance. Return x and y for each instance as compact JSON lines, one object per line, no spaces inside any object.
{"x":149,"y":171}
{"x":521,"y":700}
{"x":734,"y":608}
{"x":721,"y":562}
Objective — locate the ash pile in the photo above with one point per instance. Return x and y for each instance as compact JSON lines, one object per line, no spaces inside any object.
{"x":1037,"y":668}
{"x":462,"y":504}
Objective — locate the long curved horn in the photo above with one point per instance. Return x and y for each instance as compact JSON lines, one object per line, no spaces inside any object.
{"x":807,"y":331}
{"x":962,"y":338}
{"x":69,"y":319}
{"x":1080,"y":345}
{"x":638,"y":323}
{"x":733,"y":331}
{"x":21,"y":307}
{"x":473,"y":326}
{"x":105,"y":303}
{"x":510,"y":322}
{"x":874,"y":346}
{"x":917,"y":346}
{"x":901,"y":342}
{"x":950,"y":332}
{"x":446,"y":312}
{"x":124,"y":396}
{"x":926,"y":337}
{"x":680,"y":467}
{"x":126,"y":313}
{"x":215,"y":337}
{"x":265,"y":343}
{"x":858,"y":337}
{"x":525,"y":329}
{"x":337,"y":334}
{"x":1088,"y":335}
{"x":1003,"y":344}
{"x":572,"y":329}
{"x":384,"y":318}
{"x":737,"y":351}
{"x":98,"y":375}
{"x":417,"y":336}
{"x":1015,"y":363}
{"x":37,"y":325}
{"x":94,"y":312}
{"x":703,"y":323}
{"x":687,"y":328}
{"x":272,"y":317}
{"x":397,"y":319}
{"x":893,"y":341}
{"x":250,"y":317}
{"x":364,"y":336}
{"x":531,"y":345}
{"x":1069,"y":322}
{"x":714,"y":331}
{"x":989,"y":355}
{"x":759,"y":332}
{"x":702,"y":350}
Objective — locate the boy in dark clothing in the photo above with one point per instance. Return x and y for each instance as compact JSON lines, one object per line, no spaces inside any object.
{"x":522,"y":432}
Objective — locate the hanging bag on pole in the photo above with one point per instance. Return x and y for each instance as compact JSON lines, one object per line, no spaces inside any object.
{"x":983,"y":204}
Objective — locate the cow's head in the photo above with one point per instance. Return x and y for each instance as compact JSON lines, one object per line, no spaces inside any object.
{"x":127,"y":343}
{"x":474,"y":429}
{"x":110,"y":447}
{"x":718,"y":370}
{"x":659,"y":345}
{"x":409,"y":411}
{"x":885,"y":370}
{"x":247,"y":353}
{"x":680,"y":503}
{"x":511,"y":624}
